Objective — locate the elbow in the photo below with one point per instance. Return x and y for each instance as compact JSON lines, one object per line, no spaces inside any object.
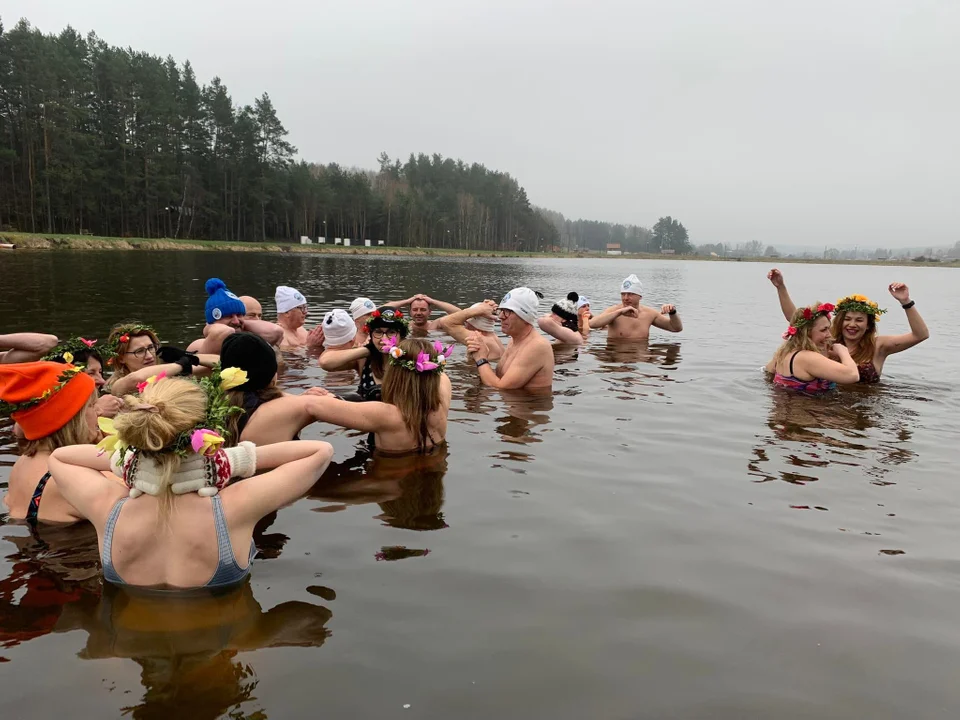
{"x":46,"y":343}
{"x":851,"y":376}
{"x":326,"y":363}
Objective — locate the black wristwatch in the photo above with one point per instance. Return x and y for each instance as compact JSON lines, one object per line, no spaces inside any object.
{"x":909,"y":305}
{"x":672,"y":312}
{"x":481,"y":362}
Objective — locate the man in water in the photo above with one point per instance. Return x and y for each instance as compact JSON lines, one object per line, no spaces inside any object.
{"x":475,"y":320}
{"x":420,"y":308}
{"x":630,"y":319}
{"x":527,"y":362}
{"x":292,"y":312}
{"x":253,"y":307}
{"x":225,"y":314}
{"x":361,"y":309}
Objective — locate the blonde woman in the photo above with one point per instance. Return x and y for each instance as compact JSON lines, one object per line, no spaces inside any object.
{"x":799,"y":363}
{"x":173,"y":529}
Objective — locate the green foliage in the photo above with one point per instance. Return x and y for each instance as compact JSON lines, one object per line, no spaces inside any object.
{"x":670,"y":234}
{"x":114,"y":142}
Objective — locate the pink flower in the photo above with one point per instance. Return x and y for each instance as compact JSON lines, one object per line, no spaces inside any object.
{"x":390,"y":343}
{"x":88,"y":343}
{"x":441,"y":350}
{"x":424,"y":363}
{"x":205,"y":442}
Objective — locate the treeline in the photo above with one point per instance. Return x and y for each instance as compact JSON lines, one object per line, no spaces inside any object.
{"x":110,"y":141}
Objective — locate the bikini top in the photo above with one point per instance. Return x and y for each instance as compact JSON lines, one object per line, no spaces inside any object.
{"x":33,"y":509}
{"x":227,"y":573}
{"x":868,"y":373}
{"x":368,"y":389}
{"x":816,"y":386}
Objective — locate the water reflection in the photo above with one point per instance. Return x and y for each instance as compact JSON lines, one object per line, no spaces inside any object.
{"x":864,"y":427}
{"x":528,"y":413}
{"x":187,"y":646}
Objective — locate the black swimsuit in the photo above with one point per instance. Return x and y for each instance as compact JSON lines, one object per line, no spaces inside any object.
{"x":33,"y":509}
{"x":368,"y":389}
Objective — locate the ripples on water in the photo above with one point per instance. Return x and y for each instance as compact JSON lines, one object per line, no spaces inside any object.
{"x":666,"y":534}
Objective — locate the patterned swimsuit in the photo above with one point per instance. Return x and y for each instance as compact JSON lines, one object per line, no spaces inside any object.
{"x":868,"y":373}
{"x":817,"y":386}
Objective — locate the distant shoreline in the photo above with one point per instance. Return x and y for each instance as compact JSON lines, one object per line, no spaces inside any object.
{"x":46,"y":241}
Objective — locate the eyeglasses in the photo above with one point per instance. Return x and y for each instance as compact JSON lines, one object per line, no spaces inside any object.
{"x":504,"y":312}
{"x":141,"y":353}
{"x":380,"y":333}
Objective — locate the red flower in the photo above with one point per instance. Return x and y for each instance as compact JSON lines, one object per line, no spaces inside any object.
{"x":791,"y":331}
{"x":375,"y":313}
{"x":88,"y":343}
{"x":827,"y":308}
{"x":399,"y":314}
{"x":807,"y":313}
{"x":124,"y":338}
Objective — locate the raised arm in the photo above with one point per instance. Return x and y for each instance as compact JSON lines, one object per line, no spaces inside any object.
{"x":25,"y":347}
{"x":397,"y":304}
{"x":786,"y":304}
{"x":522,"y":369}
{"x":890,"y":344}
{"x":128,"y":383}
{"x":297,"y":464}
{"x":271,"y":332}
{"x":343,"y":359}
{"x":564,"y":335}
{"x":459,"y":317}
{"x":844,"y":372}
{"x":78,"y":471}
{"x":668,"y":319}
{"x":448,"y":308}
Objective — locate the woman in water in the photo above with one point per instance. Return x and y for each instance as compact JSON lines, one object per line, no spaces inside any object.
{"x":53,"y":405}
{"x":416,"y":400}
{"x":563,"y":322}
{"x":382,"y":326}
{"x":855,"y":325}
{"x":800,"y":364}
{"x":134,"y":347}
{"x":172,"y":529}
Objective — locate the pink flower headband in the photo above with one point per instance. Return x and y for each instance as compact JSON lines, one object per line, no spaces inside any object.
{"x":423,"y":363}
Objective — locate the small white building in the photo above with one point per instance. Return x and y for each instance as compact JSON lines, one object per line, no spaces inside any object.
{"x":338,"y":241}
{"x":346,"y":242}
{"x":321,"y":241}
{"x":380,"y":242}
{"x":304,"y":240}
{"x":366,"y":243}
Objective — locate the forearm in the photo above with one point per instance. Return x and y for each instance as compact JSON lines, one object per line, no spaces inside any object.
{"x":82,"y":456}
{"x":270,"y":332}
{"x":277,"y":454}
{"x":26,"y":347}
{"x":397,"y":304}
{"x":488,"y":376}
{"x":604,"y":319}
{"x":917,"y":326}
{"x":448,"y":308}
{"x":674,"y":324}
{"x":128,"y":383}
{"x":331,"y":360}
{"x":786,"y":303}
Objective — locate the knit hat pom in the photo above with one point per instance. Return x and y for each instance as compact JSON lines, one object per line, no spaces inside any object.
{"x":214,"y":284}
{"x":573,"y":297}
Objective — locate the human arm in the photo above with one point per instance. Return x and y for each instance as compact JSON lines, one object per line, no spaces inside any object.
{"x":668,"y":319}
{"x":128,"y":383}
{"x":363,"y":416}
{"x":564,"y":335}
{"x":296,"y":466}
{"x":459,"y":317}
{"x":343,"y":359}
{"x":397,"y":304}
{"x":786,"y":304}
{"x":446,"y":307}
{"x":816,"y":365}
{"x":890,"y":344}
{"x":315,"y":338}
{"x":78,"y":471}
{"x":611,"y":314}
{"x":271,"y":332}
{"x":25,"y":347}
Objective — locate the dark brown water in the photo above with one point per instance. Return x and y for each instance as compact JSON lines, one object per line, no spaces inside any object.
{"x":666,"y":536}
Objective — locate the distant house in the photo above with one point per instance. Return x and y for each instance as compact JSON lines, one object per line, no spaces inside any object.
{"x":614,"y":249}
{"x":667,"y":251}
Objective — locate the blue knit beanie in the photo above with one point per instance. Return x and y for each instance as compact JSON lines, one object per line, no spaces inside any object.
{"x":221,"y":302}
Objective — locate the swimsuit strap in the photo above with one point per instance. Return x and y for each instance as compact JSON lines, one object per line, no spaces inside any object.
{"x":228,"y":571}
{"x":110,"y":573}
{"x":33,"y":509}
{"x":792,"y":358}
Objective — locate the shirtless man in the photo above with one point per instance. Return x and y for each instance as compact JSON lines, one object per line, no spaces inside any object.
{"x":292,"y":312}
{"x":527,"y":363}
{"x":253,"y":307}
{"x":630,"y":319}
{"x":562,"y":322}
{"x":225,"y":314}
{"x":420,"y":308}
{"x":475,"y":320}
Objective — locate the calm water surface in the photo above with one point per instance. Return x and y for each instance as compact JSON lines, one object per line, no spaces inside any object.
{"x":667,"y":536}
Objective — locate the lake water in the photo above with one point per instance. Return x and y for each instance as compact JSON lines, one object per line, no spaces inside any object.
{"x":667,"y":536}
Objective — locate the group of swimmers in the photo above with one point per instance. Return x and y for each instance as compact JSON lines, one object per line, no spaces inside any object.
{"x":150,"y":453}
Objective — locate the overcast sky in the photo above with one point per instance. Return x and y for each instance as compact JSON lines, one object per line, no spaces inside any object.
{"x":816,"y":122}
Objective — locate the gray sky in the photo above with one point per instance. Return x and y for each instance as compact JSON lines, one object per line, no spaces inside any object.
{"x":816,"y":122}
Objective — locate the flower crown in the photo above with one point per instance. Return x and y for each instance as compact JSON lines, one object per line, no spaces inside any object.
{"x":861,"y":304}
{"x":423,"y":363}
{"x":205,"y":438}
{"x":76,"y":346}
{"x":8,"y":408}
{"x":383,"y":317}
{"x":121,"y":334}
{"x":809,"y":316}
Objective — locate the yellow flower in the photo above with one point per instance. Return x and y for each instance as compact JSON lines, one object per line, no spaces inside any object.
{"x":68,"y":357}
{"x":111,"y":442}
{"x":232,"y":377}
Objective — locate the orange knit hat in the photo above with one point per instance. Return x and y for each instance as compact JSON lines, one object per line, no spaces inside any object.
{"x":42,"y":397}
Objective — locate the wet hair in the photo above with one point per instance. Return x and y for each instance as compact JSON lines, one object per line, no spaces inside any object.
{"x":415,"y":394}
{"x":868,"y":343}
{"x":77,"y":431}
{"x":802,"y":339}
{"x":181,"y":404}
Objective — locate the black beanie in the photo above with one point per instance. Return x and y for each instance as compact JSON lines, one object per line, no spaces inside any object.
{"x":252,"y":354}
